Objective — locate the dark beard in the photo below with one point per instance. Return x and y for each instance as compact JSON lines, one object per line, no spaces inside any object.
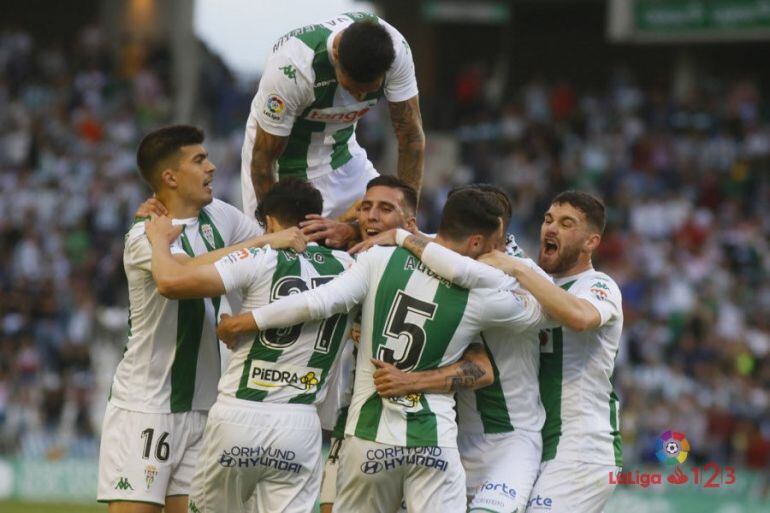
{"x":563,"y":262}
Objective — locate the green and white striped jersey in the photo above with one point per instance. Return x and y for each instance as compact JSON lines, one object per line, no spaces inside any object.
{"x":582,"y":422}
{"x":414,"y":320}
{"x":299,"y":98}
{"x":292,"y":364}
{"x":512,"y":401}
{"x":171,"y":360}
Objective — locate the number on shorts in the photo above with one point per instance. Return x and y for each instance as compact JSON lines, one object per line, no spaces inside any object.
{"x":161,"y":450}
{"x":396,"y":326}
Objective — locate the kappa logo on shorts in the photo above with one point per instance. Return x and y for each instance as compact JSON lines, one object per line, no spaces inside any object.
{"x":123,"y":484}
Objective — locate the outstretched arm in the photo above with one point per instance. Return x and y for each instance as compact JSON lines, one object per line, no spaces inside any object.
{"x":472,"y":371}
{"x":562,"y":307}
{"x":407,"y":125}
{"x":337,"y":296}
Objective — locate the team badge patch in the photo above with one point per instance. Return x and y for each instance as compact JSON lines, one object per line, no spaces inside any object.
{"x":274,"y":107}
{"x":150,"y":471}
{"x":208,"y":234}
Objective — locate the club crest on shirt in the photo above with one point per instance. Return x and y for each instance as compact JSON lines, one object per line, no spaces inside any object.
{"x":600,"y":290}
{"x":208,"y":234}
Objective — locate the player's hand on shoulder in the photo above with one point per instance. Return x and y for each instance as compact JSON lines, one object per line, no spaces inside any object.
{"x":227,"y":331}
{"x":151,"y":206}
{"x":160,"y":230}
{"x":331,"y":233}
{"x":500,"y":260}
{"x":386,"y":238}
{"x":391,"y":381}
{"x":290,"y":238}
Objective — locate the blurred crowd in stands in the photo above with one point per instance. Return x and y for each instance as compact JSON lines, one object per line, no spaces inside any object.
{"x":684,"y":176}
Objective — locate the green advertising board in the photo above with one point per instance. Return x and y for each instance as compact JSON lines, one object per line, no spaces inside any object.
{"x":701,"y":16}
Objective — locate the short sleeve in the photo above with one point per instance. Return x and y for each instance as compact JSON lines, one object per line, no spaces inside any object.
{"x":603,"y":293}
{"x":138,"y":253}
{"x":240,"y":226}
{"x":400,"y":80}
{"x":240,"y":268}
{"x":514,"y":310}
{"x":282,"y":93}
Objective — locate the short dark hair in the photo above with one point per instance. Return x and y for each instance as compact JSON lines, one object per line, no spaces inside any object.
{"x":495,"y":191}
{"x":160,"y":145}
{"x":366,"y":51}
{"x":470,"y":211}
{"x":590,"y":205}
{"x":289,"y":201}
{"x":409,"y":192}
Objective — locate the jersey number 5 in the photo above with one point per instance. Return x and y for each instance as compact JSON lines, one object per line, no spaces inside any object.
{"x":397,"y":326}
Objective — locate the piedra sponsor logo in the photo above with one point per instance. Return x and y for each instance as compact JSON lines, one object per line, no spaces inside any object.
{"x":269,"y":376}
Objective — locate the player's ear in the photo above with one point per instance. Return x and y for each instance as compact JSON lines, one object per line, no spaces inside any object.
{"x":168,"y":178}
{"x":270,"y":224}
{"x":592,"y":242}
{"x":411,"y":224}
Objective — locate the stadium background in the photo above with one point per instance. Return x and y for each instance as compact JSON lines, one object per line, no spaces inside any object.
{"x":659,"y":107}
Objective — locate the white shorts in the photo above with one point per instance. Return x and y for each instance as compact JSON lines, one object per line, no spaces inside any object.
{"x":571,"y":487}
{"x":374,"y":477}
{"x":269,"y":451}
{"x":329,"y":477}
{"x":500,"y":468}
{"x":340,"y":188}
{"x":145,"y":457}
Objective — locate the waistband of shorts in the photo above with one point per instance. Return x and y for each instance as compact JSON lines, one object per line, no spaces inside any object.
{"x":277,"y":408}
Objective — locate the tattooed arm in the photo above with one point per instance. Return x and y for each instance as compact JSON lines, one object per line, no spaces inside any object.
{"x":267,"y":149}
{"x":407,"y":124}
{"x":472,"y":371}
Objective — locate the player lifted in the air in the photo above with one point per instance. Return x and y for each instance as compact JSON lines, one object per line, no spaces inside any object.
{"x":406,"y":446}
{"x":318,"y":81}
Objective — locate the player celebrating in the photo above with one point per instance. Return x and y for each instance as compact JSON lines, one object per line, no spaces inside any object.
{"x":581,"y":437}
{"x":503,"y":419}
{"x":319,"y":80}
{"x":263,"y":436}
{"x":406,"y":446}
{"x":166,"y":380}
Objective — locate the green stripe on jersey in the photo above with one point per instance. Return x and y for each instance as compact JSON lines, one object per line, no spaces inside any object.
{"x":490,"y":402}
{"x":285,"y":267}
{"x":550,"y":378}
{"x":189,"y":329}
{"x":421,"y":426}
{"x":451,"y":301}
{"x":369,"y":418}
{"x":340,"y":151}
{"x":332,"y":330}
{"x":617,"y":443}
{"x":293,"y":161}
{"x":394,"y":278}
{"x":208,"y":230}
